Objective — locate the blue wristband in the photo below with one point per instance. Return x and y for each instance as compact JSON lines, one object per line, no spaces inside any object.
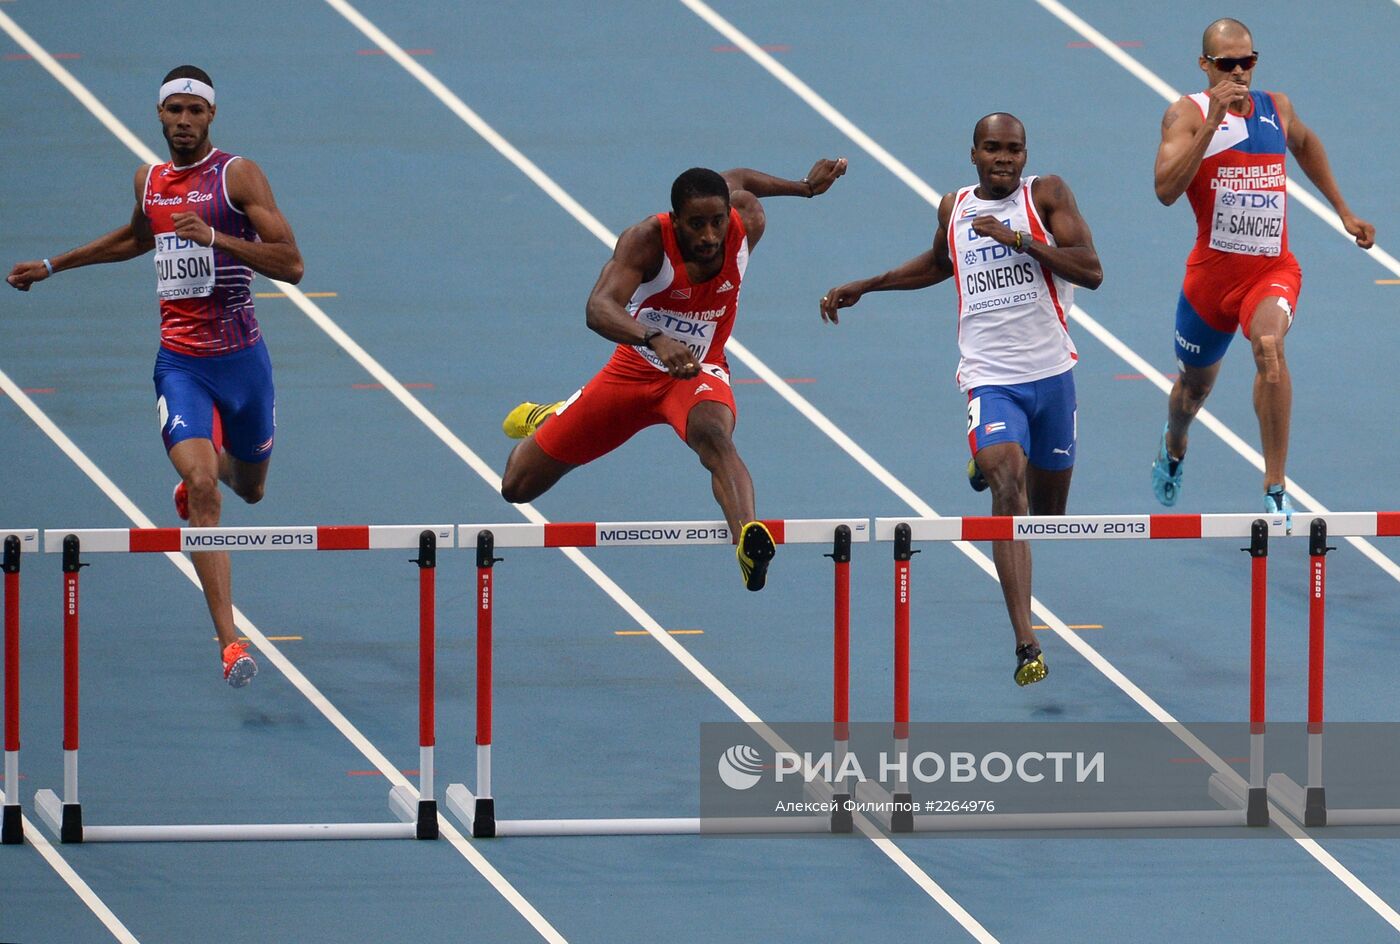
{"x":48,"y":265}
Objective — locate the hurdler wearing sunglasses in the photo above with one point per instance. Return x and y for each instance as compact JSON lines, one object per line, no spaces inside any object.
{"x":1225,"y":148}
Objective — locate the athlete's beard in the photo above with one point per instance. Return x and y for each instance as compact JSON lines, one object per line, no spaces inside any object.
{"x":999,"y":191}
{"x":183,"y":155}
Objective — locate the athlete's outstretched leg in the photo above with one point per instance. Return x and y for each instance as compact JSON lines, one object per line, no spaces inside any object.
{"x":198,"y":465}
{"x":1273,"y":386}
{"x":1189,"y":392}
{"x":1004,"y":466}
{"x":1048,"y":490}
{"x":710,"y":432}
{"x":530,"y":472}
{"x":247,"y":479}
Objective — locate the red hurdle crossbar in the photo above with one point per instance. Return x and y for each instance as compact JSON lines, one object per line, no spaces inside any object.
{"x":418,"y":814}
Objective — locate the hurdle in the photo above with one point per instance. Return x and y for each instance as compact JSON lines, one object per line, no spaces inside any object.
{"x":417,"y":817}
{"x":477,"y":809}
{"x":1243,"y":802}
{"x":1308,"y":804}
{"x":16,"y":542}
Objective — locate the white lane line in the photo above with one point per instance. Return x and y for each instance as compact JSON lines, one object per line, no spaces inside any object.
{"x":625,"y":601}
{"x":827,"y":111}
{"x":274,"y":655}
{"x":129,"y":508}
{"x":35,"y":837}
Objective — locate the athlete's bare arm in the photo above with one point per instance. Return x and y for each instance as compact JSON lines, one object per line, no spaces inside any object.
{"x":746,"y":185}
{"x":121,"y":244}
{"x":275,"y":255}
{"x":636,"y":259}
{"x":927,"y":268}
{"x":1073,"y":256}
{"x":1312,"y":158}
{"x":1186,"y":135}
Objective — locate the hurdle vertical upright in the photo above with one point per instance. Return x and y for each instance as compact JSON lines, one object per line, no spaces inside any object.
{"x":12,"y":821}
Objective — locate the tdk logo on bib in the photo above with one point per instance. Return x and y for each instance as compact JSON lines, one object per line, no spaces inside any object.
{"x":987,"y":253}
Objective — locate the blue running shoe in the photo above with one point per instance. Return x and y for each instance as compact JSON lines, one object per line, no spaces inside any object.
{"x":1276,"y":503}
{"x":1166,"y":474}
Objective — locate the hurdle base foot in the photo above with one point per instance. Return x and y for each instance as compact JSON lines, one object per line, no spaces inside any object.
{"x":902,"y":817}
{"x":1315,"y":807}
{"x":1256,"y":811}
{"x":65,"y":819}
{"x":842,"y":821}
{"x":408,"y":808}
{"x":1308,"y":806}
{"x":12,"y":826}
{"x":484,"y":818}
{"x":478,"y":814}
{"x":427,"y":819}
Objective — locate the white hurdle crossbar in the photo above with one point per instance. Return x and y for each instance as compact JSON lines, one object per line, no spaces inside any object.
{"x":416,"y":815}
{"x":1244,"y":803}
{"x":16,"y":543}
{"x":1308,"y":804}
{"x":477,"y":809}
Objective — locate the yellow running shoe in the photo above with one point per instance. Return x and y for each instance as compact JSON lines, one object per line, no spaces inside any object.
{"x":527,"y":417}
{"x":1030,"y":664}
{"x":756,"y":548}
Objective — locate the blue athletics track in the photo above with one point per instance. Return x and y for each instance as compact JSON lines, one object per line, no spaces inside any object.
{"x":397,"y":137}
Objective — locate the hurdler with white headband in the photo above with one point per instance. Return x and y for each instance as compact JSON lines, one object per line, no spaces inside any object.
{"x":186,"y":87}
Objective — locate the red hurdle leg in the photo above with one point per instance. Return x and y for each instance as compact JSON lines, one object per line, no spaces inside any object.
{"x":1257,"y":810}
{"x":902,"y":821}
{"x":71,"y":828}
{"x":427,"y":670}
{"x":12,"y":826}
{"x":484,"y":818}
{"x":1314,"y":801}
{"x":841,"y":818}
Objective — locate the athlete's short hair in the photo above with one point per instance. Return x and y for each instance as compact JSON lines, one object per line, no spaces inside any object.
{"x":1222,"y":27}
{"x":188,"y":72}
{"x":980,"y":128}
{"x":698,"y":182}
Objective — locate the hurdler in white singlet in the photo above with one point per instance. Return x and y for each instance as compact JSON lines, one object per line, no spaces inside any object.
{"x":1011,"y":309}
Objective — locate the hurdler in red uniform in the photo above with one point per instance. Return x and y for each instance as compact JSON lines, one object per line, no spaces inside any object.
{"x":1224,"y":148}
{"x":668,"y":296}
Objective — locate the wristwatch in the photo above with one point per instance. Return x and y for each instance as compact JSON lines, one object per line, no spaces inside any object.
{"x":648,"y":335}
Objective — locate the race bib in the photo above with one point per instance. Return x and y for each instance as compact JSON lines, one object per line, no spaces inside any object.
{"x":696,"y":330}
{"x":184,"y":269}
{"x":1248,"y":222}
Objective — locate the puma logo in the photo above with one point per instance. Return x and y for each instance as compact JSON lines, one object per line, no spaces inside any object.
{"x":1266,"y":118}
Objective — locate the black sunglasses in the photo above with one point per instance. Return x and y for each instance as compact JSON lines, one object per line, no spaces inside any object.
{"x":1228,"y":63}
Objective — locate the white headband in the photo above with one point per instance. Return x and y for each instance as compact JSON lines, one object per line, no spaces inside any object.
{"x":186,"y":87}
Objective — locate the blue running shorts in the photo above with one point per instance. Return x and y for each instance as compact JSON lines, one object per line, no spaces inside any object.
{"x":1041,"y":416}
{"x":238,"y":385}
